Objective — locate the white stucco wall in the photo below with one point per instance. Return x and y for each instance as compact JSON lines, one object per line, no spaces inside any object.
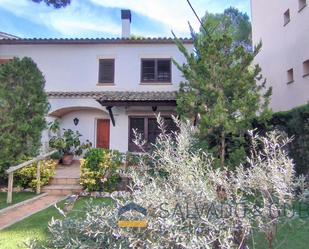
{"x":284,"y":47}
{"x":88,"y":121}
{"x":75,"y":67}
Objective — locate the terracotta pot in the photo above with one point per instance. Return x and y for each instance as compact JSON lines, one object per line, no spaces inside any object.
{"x":67,"y":159}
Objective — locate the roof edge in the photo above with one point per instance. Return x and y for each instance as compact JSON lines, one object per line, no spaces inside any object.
{"x":80,"y":41}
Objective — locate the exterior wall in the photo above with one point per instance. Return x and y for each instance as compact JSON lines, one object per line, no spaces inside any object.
{"x":75,"y":67}
{"x":284,"y":47}
{"x":86,"y":125}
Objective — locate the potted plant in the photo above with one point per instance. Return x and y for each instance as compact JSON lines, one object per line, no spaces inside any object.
{"x":68,"y":145}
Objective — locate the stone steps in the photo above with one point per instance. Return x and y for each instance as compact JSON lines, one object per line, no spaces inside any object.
{"x":62,"y":189}
{"x":64,"y":181}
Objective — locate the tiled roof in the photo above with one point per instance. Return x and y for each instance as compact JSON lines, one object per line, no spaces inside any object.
{"x":4,"y":35}
{"x":147,"y":40}
{"x":118,"y":95}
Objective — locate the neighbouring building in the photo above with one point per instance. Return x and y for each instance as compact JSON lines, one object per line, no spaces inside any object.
{"x":103,"y":87}
{"x":283,"y":28}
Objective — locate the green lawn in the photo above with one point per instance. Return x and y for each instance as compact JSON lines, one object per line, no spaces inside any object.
{"x":17,"y":197}
{"x":291,"y":235}
{"x":35,"y":226}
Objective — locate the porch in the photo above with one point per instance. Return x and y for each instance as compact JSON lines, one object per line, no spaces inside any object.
{"x":106,"y":118}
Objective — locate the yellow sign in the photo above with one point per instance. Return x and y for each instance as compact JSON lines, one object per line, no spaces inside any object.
{"x":132,"y":223}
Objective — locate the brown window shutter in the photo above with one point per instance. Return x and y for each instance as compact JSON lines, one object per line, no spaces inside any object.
{"x":164,"y":70}
{"x":106,"y":70}
{"x":148,"y":73}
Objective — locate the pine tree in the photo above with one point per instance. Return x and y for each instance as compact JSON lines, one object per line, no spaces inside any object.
{"x":221,"y":90}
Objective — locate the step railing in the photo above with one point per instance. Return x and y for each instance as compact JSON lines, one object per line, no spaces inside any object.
{"x":10,"y":171}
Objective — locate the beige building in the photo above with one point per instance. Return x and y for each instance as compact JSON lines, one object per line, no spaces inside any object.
{"x":283,"y":28}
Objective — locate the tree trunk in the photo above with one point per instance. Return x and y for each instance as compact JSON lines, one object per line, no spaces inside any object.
{"x":222,"y":149}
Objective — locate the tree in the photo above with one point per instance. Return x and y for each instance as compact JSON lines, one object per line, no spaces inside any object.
{"x":55,"y":3}
{"x":221,"y":88}
{"x":23,"y":105}
{"x":233,"y":21}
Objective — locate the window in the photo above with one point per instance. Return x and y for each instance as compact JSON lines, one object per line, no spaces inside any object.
{"x":306,"y":68}
{"x":106,"y":70}
{"x":286,"y":17}
{"x":149,"y":130}
{"x":301,"y":4}
{"x":156,"y":70}
{"x":290,"y":76}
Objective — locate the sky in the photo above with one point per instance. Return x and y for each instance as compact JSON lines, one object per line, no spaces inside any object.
{"x":101,"y":18}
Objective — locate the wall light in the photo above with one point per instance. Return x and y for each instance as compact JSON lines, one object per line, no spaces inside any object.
{"x":76,"y":121}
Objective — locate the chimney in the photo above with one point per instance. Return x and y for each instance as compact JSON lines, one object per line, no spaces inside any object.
{"x":126,"y":23}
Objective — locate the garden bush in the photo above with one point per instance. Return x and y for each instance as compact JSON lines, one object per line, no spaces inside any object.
{"x":295,"y":123}
{"x":26,"y":177}
{"x":23,"y":106}
{"x":100,"y":169}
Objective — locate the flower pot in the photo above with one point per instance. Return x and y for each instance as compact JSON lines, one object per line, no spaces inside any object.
{"x":67,"y":159}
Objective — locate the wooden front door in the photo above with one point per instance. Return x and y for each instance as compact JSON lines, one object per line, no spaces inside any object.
{"x":103,"y":133}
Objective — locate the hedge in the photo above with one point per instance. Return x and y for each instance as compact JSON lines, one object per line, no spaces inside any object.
{"x":295,"y":123}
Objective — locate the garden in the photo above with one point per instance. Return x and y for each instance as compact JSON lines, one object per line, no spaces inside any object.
{"x":232,"y":175}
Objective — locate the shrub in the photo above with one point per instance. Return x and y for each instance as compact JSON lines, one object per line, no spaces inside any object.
{"x":295,"y":123}
{"x":134,"y":159}
{"x":23,"y":105}
{"x":190,"y":183}
{"x":99,"y":169}
{"x":26,"y":177}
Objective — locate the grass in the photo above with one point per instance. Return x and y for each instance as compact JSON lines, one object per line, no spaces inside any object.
{"x":17,"y":197}
{"x":35,"y":226}
{"x":290,"y":235}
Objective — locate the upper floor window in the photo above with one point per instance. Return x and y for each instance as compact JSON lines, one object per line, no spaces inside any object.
{"x":286,"y":17}
{"x":290,"y":76}
{"x":301,"y":4}
{"x":306,"y":68}
{"x":156,"y":70}
{"x":106,"y":70}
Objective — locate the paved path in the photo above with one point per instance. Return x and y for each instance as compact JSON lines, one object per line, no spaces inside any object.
{"x":21,"y":212}
{"x":66,"y":178}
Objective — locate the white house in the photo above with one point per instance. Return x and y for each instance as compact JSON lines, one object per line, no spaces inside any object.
{"x":106,"y":87}
{"x":283,"y":28}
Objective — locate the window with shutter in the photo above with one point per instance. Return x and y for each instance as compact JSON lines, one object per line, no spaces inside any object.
{"x":149,"y":130}
{"x":137,"y":124}
{"x":153,"y":130}
{"x":106,"y":70}
{"x":156,"y":70}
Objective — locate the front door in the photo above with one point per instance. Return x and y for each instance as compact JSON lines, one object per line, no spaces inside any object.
{"x":103,"y":133}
